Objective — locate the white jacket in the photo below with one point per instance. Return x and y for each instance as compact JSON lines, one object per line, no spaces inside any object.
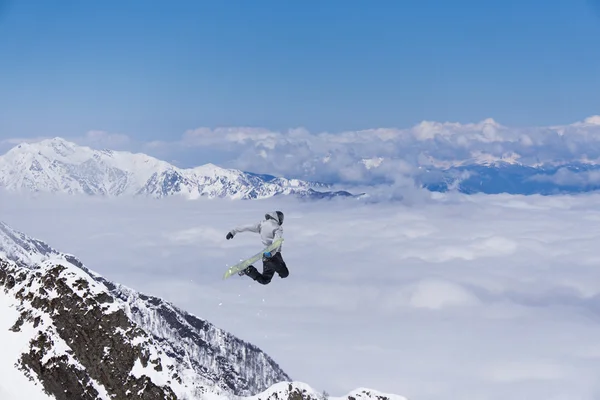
{"x":269,"y":230}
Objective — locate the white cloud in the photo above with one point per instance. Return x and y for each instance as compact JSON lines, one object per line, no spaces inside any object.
{"x":367,"y":156}
{"x":524,"y":370}
{"x":343,"y":156}
{"x":212,"y":137}
{"x":435,"y":294}
{"x":490,"y":297}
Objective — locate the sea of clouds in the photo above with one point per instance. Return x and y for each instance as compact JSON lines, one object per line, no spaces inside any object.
{"x":445,"y":297}
{"x":366,"y":156}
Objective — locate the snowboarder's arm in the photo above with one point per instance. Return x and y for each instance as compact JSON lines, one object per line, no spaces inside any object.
{"x":246,"y":228}
{"x":277,"y":234}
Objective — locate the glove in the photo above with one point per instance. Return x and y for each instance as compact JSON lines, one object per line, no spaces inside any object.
{"x":229,"y":235}
{"x":267,"y":254}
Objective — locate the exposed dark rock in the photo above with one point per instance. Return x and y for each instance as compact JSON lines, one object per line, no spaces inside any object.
{"x":100,"y":342}
{"x":214,"y":354}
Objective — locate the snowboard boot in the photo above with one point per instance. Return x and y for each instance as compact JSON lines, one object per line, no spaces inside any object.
{"x":250,"y":271}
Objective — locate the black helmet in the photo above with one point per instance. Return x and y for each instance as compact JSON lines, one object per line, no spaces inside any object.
{"x":276,"y":215}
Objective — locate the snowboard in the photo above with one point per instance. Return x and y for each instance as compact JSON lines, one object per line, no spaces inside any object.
{"x":249,"y":261}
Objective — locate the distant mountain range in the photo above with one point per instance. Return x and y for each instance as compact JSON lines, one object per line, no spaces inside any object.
{"x":59,"y":166}
{"x":513,"y":178}
{"x":486,"y":174}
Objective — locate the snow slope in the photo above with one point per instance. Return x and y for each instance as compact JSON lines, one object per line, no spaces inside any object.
{"x":73,"y":334}
{"x":56,"y":165}
{"x":42,"y":282}
{"x":302,"y":391}
{"x":14,"y":384}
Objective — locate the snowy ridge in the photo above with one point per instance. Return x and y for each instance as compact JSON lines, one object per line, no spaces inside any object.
{"x":197,"y":350}
{"x":200,"y":346}
{"x":76,"y":335}
{"x":295,"y":390}
{"x":24,"y":250}
{"x":300,"y":390}
{"x":58,"y":166}
{"x":79,"y":346}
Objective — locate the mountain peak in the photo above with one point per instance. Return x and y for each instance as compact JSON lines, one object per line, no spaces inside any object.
{"x":58,"y":143}
{"x":60,"y":166}
{"x":300,"y":390}
{"x":212,"y":169}
{"x":53,"y":149}
{"x":23,"y":250}
{"x":50,"y":141}
{"x":58,"y":139}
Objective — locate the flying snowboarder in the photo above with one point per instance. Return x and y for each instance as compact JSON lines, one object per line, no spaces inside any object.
{"x":269,"y":229}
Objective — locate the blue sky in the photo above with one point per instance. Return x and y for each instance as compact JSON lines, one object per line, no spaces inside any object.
{"x":154,"y":69}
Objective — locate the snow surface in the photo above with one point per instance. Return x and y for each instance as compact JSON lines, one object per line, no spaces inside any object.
{"x":34,"y":256}
{"x":16,"y":343}
{"x":194,"y":343}
{"x":190,"y":382}
{"x":282,"y":390}
{"x":17,"y":247}
{"x":14,"y":385}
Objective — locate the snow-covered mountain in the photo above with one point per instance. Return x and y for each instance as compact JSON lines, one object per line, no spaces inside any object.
{"x":68,"y":333}
{"x":57,"y":165}
{"x":118,"y":326}
{"x":302,"y":391}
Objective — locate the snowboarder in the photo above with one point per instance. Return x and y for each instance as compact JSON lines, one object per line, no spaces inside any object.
{"x":269,"y":229}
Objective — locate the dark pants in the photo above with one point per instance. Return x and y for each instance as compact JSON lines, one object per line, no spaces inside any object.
{"x":270,"y":266}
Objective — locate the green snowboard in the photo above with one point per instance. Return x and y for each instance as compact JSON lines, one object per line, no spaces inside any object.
{"x":243,"y":264}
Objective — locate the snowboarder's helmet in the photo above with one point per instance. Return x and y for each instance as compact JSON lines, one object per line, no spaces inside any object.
{"x":276,"y":215}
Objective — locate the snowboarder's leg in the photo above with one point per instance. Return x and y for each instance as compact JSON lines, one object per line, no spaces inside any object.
{"x":267,"y":274}
{"x":264,"y":278}
{"x":251,"y":271}
{"x":246,"y":271}
{"x":279,"y":265}
{"x":270,"y":266}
